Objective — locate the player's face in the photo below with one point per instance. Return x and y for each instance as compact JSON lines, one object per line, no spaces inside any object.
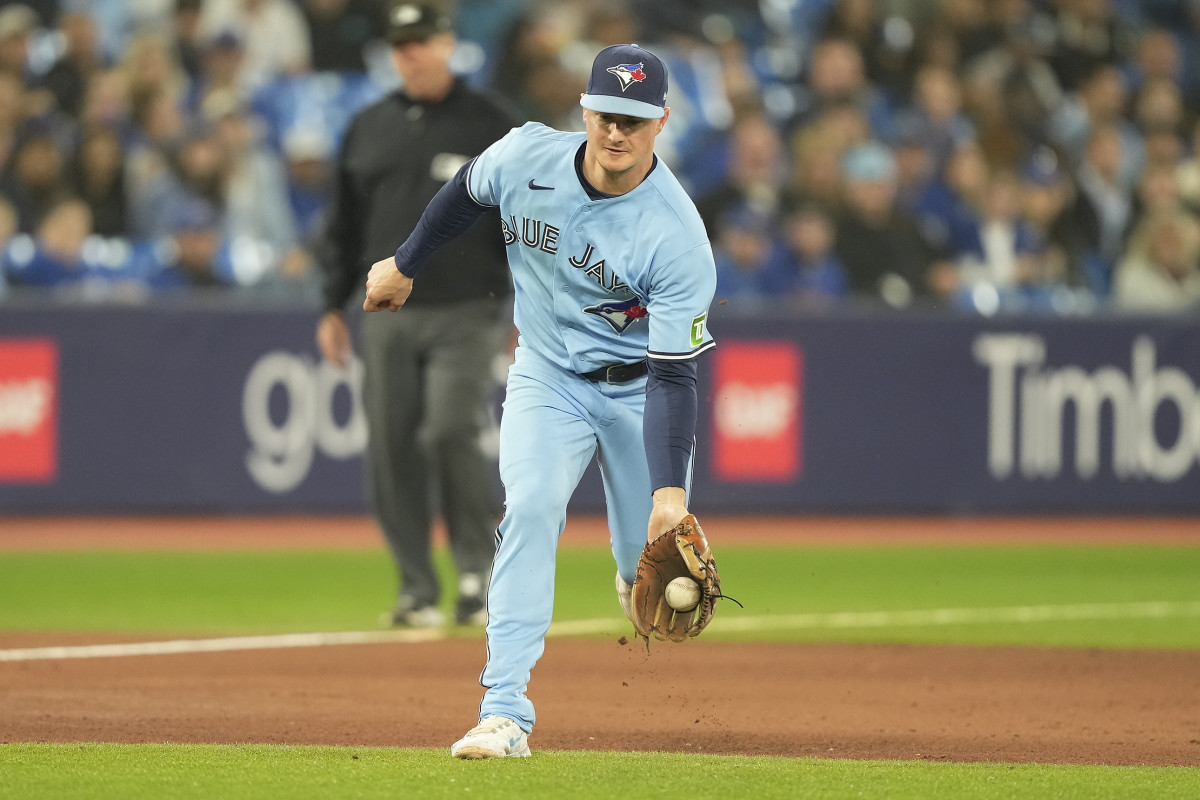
{"x":619,"y":149}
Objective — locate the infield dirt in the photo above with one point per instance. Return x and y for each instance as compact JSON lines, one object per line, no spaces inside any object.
{"x":1046,"y":705}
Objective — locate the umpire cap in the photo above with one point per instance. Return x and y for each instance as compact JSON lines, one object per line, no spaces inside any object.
{"x":412,"y":22}
{"x":627,"y":80}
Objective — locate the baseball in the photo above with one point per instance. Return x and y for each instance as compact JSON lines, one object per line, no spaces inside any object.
{"x":683,"y":594}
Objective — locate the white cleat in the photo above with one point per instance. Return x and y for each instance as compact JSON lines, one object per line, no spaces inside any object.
{"x":625,"y":596}
{"x":493,"y":737}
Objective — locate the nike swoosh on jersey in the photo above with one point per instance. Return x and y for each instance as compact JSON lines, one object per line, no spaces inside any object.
{"x":535,"y":187}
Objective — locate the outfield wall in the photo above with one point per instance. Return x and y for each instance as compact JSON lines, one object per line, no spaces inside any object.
{"x":208,"y":409}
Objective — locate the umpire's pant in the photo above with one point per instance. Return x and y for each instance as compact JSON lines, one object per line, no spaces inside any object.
{"x":428,"y":378}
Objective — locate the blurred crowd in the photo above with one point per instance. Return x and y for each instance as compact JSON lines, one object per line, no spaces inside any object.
{"x":987,"y":156}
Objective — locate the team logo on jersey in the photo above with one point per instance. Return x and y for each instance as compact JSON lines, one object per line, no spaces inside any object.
{"x":628,"y":74}
{"x":620,"y":314}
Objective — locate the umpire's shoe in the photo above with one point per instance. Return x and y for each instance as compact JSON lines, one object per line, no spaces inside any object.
{"x":471,"y":608}
{"x":407,"y":614}
{"x":493,"y":737}
{"x":470,"y":611}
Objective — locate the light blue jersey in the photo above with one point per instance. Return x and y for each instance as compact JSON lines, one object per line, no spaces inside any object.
{"x":597,"y":281}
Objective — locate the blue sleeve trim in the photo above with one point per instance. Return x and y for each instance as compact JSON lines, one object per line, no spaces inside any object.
{"x":451,"y":211}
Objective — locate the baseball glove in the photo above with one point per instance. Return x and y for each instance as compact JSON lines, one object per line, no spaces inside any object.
{"x":680,"y":552}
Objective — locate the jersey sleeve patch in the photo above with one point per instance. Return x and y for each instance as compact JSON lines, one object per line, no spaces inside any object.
{"x":697,"y":334}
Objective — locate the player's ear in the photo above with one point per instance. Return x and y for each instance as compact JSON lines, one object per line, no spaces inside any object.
{"x":663,"y":120}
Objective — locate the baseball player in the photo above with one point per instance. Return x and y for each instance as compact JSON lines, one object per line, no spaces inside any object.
{"x":613,"y":278}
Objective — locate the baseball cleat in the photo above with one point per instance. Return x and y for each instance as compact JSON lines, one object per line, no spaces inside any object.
{"x":625,"y":597}
{"x":493,"y":737}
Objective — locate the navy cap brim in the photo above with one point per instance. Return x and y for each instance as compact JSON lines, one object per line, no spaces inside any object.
{"x":607,"y":104}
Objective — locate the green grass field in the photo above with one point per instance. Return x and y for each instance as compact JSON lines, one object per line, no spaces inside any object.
{"x":143,"y":772}
{"x":1102,"y":596}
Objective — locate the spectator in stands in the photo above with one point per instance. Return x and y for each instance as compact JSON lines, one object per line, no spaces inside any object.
{"x":1158,"y":106}
{"x":1162,"y":120}
{"x":915,"y":172}
{"x":308,"y":156}
{"x":8,"y":229}
{"x":252,"y":185}
{"x":8,"y":221}
{"x":106,"y":103}
{"x":340,"y":31}
{"x":221,"y":62}
{"x":1157,"y":190}
{"x":885,"y":255}
{"x":754,"y":175}
{"x":188,"y":37}
{"x":936,"y":115}
{"x":1003,"y":251}
{"x":884,"y":56}
{"x":17,"y":23}
{"x":817,"y":152}
{"x":193,"y":255}
{"x":746,"y":252}
{"x":199,"y":164}
{"x":1156,"y":56}
{"x":157,"y":131}
{"x":1163,"y":146}
{"x":959,"y":32}
{"x":1067,"y":234}
{"x":274,"y":32}
{"x":38,"y":179}
{"x":56,"y":257}
{"x":949,"y":209}
{"x":12,"y":119}
{"x":151,"y":69}
{"x":1085,"y":37}
{"x":68,"y":78}
{"x":100,"y":181}
{"x":1099,"y":102}
{"x":1188,"y":172}
{"x":836,"y":76}
{"x":1104,"y":196}
{"x":814,"y":277}
{"x":531,"y":74}
{"x":1160,"y":271}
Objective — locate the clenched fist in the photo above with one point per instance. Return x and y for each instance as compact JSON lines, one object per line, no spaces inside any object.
{"x":387,"y":287}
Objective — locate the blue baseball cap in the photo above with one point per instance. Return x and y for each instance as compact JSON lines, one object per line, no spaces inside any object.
{"x":627,"y":80}
{"x":871,"y":161}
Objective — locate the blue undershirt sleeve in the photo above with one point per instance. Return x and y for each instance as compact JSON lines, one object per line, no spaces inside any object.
{"x":669,"y":424}
{"x":451,"y":211}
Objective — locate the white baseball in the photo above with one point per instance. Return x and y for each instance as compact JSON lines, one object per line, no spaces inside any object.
{"x":683,"y":594}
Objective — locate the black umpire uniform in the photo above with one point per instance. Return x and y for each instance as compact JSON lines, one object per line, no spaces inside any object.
{"x":427,"y":372}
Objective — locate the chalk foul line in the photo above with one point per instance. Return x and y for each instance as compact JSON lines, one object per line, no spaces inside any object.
{"x":836,"y":620}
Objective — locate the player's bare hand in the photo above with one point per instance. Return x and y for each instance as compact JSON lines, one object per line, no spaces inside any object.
{"x":387,"y":287}
{"x":333,"y":338}
{"x":670,"y":506}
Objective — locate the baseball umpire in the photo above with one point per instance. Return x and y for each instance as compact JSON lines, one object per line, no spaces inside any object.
{"x":427,"y":373}
{"x":614,"y":276}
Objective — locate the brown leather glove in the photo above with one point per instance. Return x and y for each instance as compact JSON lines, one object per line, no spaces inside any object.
{"x":680,"y":552}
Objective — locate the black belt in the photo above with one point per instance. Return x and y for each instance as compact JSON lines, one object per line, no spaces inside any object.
{"x":618,"y":373}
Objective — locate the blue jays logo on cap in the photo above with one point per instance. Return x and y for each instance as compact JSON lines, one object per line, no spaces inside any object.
{"x":627,"y":74}
{"x":640,"y":88}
